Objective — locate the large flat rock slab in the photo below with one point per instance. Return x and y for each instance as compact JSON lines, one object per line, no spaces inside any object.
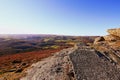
{"x":91,"y":65}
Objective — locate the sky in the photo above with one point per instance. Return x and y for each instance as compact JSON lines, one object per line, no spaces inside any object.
{"x":61,"y":17}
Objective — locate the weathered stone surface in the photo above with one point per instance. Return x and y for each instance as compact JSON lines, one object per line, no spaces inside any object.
{"x":91,"y":65}
{"x":56,"y":67}
{"x":82,"y":63}
{"x":115,"y":32}
{"x":114,"y":35}
{"x":99,"y":39}
{"x":110,"y":45}
{"x":111,"y":38}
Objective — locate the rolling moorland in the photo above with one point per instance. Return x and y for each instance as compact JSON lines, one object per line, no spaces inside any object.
{"x":19,"y":52}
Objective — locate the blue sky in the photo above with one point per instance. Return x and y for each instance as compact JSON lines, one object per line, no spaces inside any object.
{"x":66,"y":17}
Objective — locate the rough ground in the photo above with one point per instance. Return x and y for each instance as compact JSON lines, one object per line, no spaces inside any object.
{"x":109,"y":45}
{"x":91,"y":65}
{"x":81,"y":63}
{"x":57,"y":67}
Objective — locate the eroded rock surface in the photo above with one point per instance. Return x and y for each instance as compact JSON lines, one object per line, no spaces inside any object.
{"x":111,"y":38}
{"x":79,"y":63}
{"x":115,"y":32}
{"x":110,"y":47}
{"x":56,"y":67}
{"x":91,"y":65}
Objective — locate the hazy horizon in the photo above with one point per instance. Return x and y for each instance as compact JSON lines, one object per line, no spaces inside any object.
{"x":59,"y":17}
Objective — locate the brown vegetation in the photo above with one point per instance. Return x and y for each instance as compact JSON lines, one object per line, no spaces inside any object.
{"x":16,"y":63}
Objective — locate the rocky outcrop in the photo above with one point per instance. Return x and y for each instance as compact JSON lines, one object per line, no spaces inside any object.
{"x":110,"y":47}
{"x":78,"y":63}
{"x":101,"y":61}
{"x":114,"y":35}
{"x":115,"y":32}
{"x":111,"y":38}
{"x":56,"y":67}
{"x":92,"y":65}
